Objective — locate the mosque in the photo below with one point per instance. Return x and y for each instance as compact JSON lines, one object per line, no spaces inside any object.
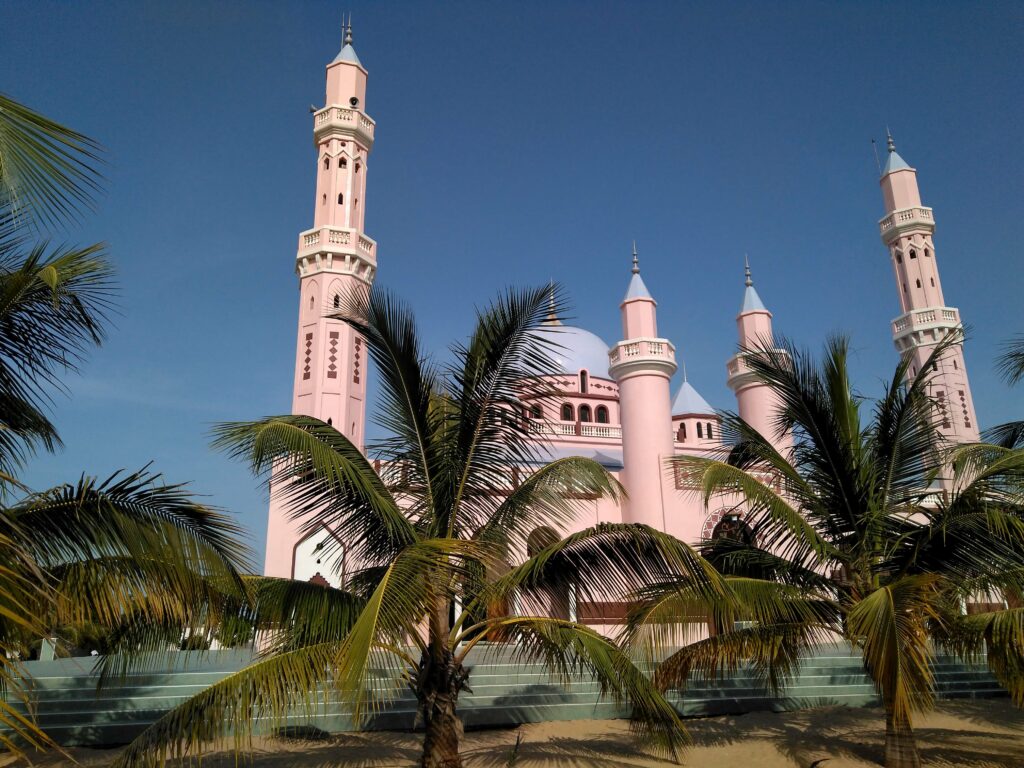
{"x":614,"y":402}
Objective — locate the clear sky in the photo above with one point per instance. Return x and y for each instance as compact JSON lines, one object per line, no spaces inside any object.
{"x":517,"y":142}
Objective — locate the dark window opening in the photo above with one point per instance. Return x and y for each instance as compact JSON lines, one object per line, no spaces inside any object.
{"x":584,"y":383}
{"x":700,"y":430}
{"x":327,"y":163}
{"x":933,"y":282}
{"x":357,"y":167}
{"x":899,"y":258}
{"x":567,"y":414}
{"x":323,"y":201}
{"x":337,"y":301}
{"x":711,"y":435}
{"x":681,"y":436}
{"x":584,"y":413}
{"x":913,"y":253}
{"x":601,"y":415}
{"x":343,"y":163}
{"x":341,"y":199}
{"x":927,"y":253}
{"x":330,"y":421}
{"x":955,"y":366}
{"x":536,"y":412}
{"x":918,"y":283}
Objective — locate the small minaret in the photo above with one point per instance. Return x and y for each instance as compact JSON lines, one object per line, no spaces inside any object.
{"x":756,"y":402}
{"x":907,"y":230}
{"x":642,"y":364}
{"x":335,"y":259}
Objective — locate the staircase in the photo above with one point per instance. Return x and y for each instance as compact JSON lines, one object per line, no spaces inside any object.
{"x":504,"y":691}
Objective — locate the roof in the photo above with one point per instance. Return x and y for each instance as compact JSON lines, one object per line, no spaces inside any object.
{"x":637,"y":289}
{"x":575,"y":349}
{"x":689,"y":400}
{"x":609,"y":458}
{"x":347,"y":53}
{"x":751,"y":301}
{"x":894,"y":163}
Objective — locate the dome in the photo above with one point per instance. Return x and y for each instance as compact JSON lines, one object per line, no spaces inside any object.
{"x":574,"y":349}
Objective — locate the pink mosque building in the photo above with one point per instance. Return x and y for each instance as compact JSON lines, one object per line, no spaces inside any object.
{"x":615,"y":401}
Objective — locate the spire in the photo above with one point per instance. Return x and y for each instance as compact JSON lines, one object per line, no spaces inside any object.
{"x":347,"y":52}
{"x":637,"y":289}
{"x":552,"y":318}
{"x":751,"y":301}
{"x":893,"y":162}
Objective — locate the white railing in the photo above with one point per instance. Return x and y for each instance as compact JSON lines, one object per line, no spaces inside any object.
{"x":641,"y":347}
{"x":904,"y":215}
{"x":571,"y":429}
{"x":926,"y":317}
{"x":310,"y":238}
{"x":318,"y":238}
{"x":344,"y":116}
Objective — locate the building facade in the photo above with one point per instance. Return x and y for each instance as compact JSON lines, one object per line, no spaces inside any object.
{"x":614,"y":402}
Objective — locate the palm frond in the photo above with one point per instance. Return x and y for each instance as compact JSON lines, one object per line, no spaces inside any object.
{"x":996,"y":635}
{"x":1011,"y":361}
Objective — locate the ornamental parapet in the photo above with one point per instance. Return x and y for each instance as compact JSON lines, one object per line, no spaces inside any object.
{"x":898,"y":222}
{"x":335,"y":120}
{"x":923,"y":327}
{"x":337,"y":249}
{"x":738,"y":372}
{"x":574,"y":429}
{"x":643,"y":355}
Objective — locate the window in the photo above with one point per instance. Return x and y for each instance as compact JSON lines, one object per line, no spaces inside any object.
{"x":899,"y":257}
{"x":933,"y":282}
{"x":536,"y":412}
{"x":601,"y":415}
{"x":327,"y":163}
{"x":927,"y":253}
{"x":681,"y":436}
{"x":337,"y":301}
{"x":341,"y":199}
{"x":584,"y":383}
{"x":323,"y":200}
{"x":918,"y":283}
{"x":913,"y":253}
{"x":330,"y":422}
{"x":955,"y":366}
{"x":584,"y":413}
{"x":567,"y":414}
{"x":935,"y":366}
{"x":904,"y":287}
{"x":710,"y":433}
{"x":700,"y":430}
{"x":343,"y":163}
{"x":357,"y":167}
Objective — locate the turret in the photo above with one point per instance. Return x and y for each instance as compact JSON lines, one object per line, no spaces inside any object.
{"x":642,"y":364}
{"x":756,"y":403}
{"x":907,"y":230}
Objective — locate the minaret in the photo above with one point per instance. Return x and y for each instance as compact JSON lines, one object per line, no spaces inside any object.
{"x":335,"y":259}
{"x":756,"y":402}
{"x":642,"y":364}
{"x":907,"y":231}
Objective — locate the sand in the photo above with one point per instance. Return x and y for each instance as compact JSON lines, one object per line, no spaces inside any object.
{"x":983,"y":733}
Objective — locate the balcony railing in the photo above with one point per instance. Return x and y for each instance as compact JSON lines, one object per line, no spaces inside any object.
{"x":344,"y":118}
{"x":906,"y":216}
{"x":926,"y":318}
{"x":572,"y":429}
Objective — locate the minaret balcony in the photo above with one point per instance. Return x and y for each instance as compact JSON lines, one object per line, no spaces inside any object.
{"x":338,"y":250}
{"x":924,"y":326}
{"x":335,"y":120}
{"x":643,"y":355}
{"x":903,"y":220}
{"x":739,"y":373}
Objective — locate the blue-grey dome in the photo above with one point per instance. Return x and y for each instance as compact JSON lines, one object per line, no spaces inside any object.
{"x":575,"y":349}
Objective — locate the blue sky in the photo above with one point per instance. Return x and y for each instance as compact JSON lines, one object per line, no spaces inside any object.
{"x":516,"y":142}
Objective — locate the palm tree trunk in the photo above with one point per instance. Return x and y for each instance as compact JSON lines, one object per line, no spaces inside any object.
{"x":441,"y":678}
{"x":900,"y":744}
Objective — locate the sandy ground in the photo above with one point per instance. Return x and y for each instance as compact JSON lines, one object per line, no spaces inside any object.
{"x":970,"y":733}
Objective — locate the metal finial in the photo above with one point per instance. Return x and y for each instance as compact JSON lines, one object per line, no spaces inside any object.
{"x":636,"y":260}
{"x":684,"y":372}
{"x":348,"y":30}
{"x":746,"y":271}
{"x":890,"y":143}
{"x":552,"y":318}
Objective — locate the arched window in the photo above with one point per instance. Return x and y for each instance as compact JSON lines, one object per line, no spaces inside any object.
{"x":913,"y":253}
{"x":927,"y":253}
{"x":955,"y":366}
{"x":681,"y":434}
{"x":899,"y":257}
{"x":918,"y":283}
{"x":343,"y":163}
{"x":330,"y":421}
{"x":601,"y":415}
{"x":584,"y":382}
{"x":323,"y":200}
{"x":700,"y":430}
{"x":567,"y":414}
{"x":536,"y":412}
{"x":357,"y":167}
{"x":933,"y":282}
{"x":327,"y":163}
{"x":710,"y":433}
{"x":341,"y":199}
{"x":584,"y":413}
{"x":337,"y":301}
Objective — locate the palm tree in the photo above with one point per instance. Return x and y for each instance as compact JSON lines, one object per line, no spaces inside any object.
{"x":435,"y":537}
{"x":87,"y":551}
{"x":852,"y":531}
{"x":1011,"y":366}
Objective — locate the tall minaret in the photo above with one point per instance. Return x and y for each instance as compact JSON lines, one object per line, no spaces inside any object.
{"x":756,"y":402}
{"x":335,"y":258}
{"x":907,"y":231}
{"x":642,"y":364}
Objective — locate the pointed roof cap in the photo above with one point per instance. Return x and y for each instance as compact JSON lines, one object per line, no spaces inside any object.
{"x":636,"y":289}
{"x":751,"y":301}
{"x":688,"y":400}
{"x":347,"y":52}
{"x":893,"y":162}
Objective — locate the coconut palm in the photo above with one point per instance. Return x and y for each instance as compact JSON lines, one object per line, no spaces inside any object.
{"x":87,"y":551}
{"x":873,"y":528}
{"x":432,"y":543}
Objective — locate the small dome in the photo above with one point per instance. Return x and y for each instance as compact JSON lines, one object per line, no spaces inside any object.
{"x":574,"y":349}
